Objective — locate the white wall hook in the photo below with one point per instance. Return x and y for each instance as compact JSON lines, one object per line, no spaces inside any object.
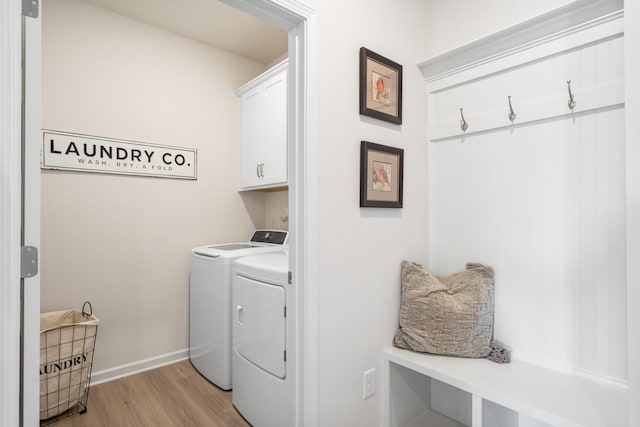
{"x":512,"y":114}
{"x":572,"y":100}
{"x":463,"y":123}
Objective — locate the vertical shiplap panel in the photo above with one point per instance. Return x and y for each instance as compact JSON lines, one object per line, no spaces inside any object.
{"x":611,"y":292}
{"x":618,"y":252}
{"x":544,"y":204}
{"x":617,"y":57}
{"x":603,"y":239}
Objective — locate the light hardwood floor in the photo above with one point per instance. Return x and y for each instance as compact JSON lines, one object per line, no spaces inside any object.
{"x":173,"y":395}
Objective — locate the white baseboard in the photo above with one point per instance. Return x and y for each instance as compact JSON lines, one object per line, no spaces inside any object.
{"x":139,"y":366}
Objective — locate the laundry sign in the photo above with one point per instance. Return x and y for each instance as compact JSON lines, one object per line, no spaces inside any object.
{"x":86,"y":153}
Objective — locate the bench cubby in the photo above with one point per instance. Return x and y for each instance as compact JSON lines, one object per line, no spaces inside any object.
{"x":442,"y":391}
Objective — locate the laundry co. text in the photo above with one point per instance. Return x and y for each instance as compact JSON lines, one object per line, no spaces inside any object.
{"x":63,"y":150}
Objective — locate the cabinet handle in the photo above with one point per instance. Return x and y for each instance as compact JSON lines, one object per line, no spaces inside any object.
{"x":258,"y":171}
{"x":261,"y":170}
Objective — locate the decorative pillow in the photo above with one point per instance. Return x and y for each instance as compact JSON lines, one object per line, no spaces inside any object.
{"x":450,"y":315}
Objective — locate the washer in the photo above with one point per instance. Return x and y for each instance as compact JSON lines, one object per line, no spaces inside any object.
{"x":210,"y":301}
{"x":262,"y":338}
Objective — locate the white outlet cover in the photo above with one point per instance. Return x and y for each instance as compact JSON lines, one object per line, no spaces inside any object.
{"x":368,"y":384}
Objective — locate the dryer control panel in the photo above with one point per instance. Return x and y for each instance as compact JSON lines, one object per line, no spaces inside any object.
{"x":272,"y":237}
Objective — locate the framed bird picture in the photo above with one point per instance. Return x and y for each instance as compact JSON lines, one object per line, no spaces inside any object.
{"x":381,"y":171}
{"x":380,"y":87}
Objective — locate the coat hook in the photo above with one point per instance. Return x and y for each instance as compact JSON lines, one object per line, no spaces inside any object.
{"x":463,"y":123}
{"x":572,"y":100}
{"x":512,"y":114}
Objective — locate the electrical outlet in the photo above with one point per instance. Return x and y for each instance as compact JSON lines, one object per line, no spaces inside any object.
{"x":368,"y":383}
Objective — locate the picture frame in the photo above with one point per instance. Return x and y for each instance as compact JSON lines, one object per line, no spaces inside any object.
{"x":381,"y":175}
{"x":380,"y":87}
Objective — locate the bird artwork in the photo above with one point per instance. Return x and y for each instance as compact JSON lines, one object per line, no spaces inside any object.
{"x":381,"y":176}
{"x":381,"y":89}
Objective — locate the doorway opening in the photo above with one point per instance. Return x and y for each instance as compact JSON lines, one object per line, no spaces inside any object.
{"x":300,"y":222}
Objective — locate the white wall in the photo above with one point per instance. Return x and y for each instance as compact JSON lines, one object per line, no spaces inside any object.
{"x":452,"y":23}
{"x":276,"y":212}
{"x":361,"y":249}
{"x":123,"y":242}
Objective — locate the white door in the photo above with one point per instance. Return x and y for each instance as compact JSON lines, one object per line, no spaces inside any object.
{"x":259,"y":326}
{"x":251,"y":156}
{"x":263,"y":133}
{"x":31,"y":219}
{"x":19,"y":215}
{"x":10,"y":125}
{"x":274,"y":150}
{"x":275,"y":153}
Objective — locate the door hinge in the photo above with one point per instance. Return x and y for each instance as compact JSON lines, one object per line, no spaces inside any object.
{"x":285,"y":311}
{"x":31,"y":8}
{"x":28,"y":261}
{"x":285,"y":355}
{"x":290,"y":277}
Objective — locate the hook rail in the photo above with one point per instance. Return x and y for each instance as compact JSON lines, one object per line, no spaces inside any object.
{"x":571,"y":103}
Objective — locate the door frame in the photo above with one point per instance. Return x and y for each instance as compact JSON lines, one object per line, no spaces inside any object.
{"x":19,"y":397}
{"x":10,"y":212}
{"x":632,"y":170}
{"x":298,"y":20}
{"x":303,"y":197}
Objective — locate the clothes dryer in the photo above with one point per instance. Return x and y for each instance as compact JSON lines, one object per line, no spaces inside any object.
{"x":263,"y":384}
{"x":210,"y":279}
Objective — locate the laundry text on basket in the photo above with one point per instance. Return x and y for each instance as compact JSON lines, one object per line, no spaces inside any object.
{"x":62,"y":365}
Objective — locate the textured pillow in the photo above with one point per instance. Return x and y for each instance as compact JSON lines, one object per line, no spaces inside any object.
{"x":450,"y":315}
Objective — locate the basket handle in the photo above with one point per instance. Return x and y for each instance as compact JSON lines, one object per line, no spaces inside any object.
{"x":90,"y":308}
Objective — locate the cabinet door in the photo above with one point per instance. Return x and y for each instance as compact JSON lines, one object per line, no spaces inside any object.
{"x":251,"y":104}
{"x":263,"y":134}
{"x":274,"y":122}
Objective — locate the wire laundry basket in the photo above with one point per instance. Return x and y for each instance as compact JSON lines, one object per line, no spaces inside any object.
{"x":67,"y":342}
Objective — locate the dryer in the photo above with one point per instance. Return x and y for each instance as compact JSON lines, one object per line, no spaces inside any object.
{"x":210,"y":278}
{"x":263,"y":362}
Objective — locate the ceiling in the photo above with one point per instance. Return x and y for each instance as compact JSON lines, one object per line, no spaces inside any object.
{"x":208,"y":21}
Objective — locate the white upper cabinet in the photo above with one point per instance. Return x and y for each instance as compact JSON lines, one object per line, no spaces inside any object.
{"x":263,"y":130}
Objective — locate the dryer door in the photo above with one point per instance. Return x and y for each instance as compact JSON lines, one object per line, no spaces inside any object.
{"x":259,"y":324}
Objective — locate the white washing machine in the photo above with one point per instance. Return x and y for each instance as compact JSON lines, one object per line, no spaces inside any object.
{"x":263,"y":380}
{"x":210,"y":301}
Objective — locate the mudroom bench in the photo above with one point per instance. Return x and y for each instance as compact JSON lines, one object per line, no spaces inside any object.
{"x":441,"y":391}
